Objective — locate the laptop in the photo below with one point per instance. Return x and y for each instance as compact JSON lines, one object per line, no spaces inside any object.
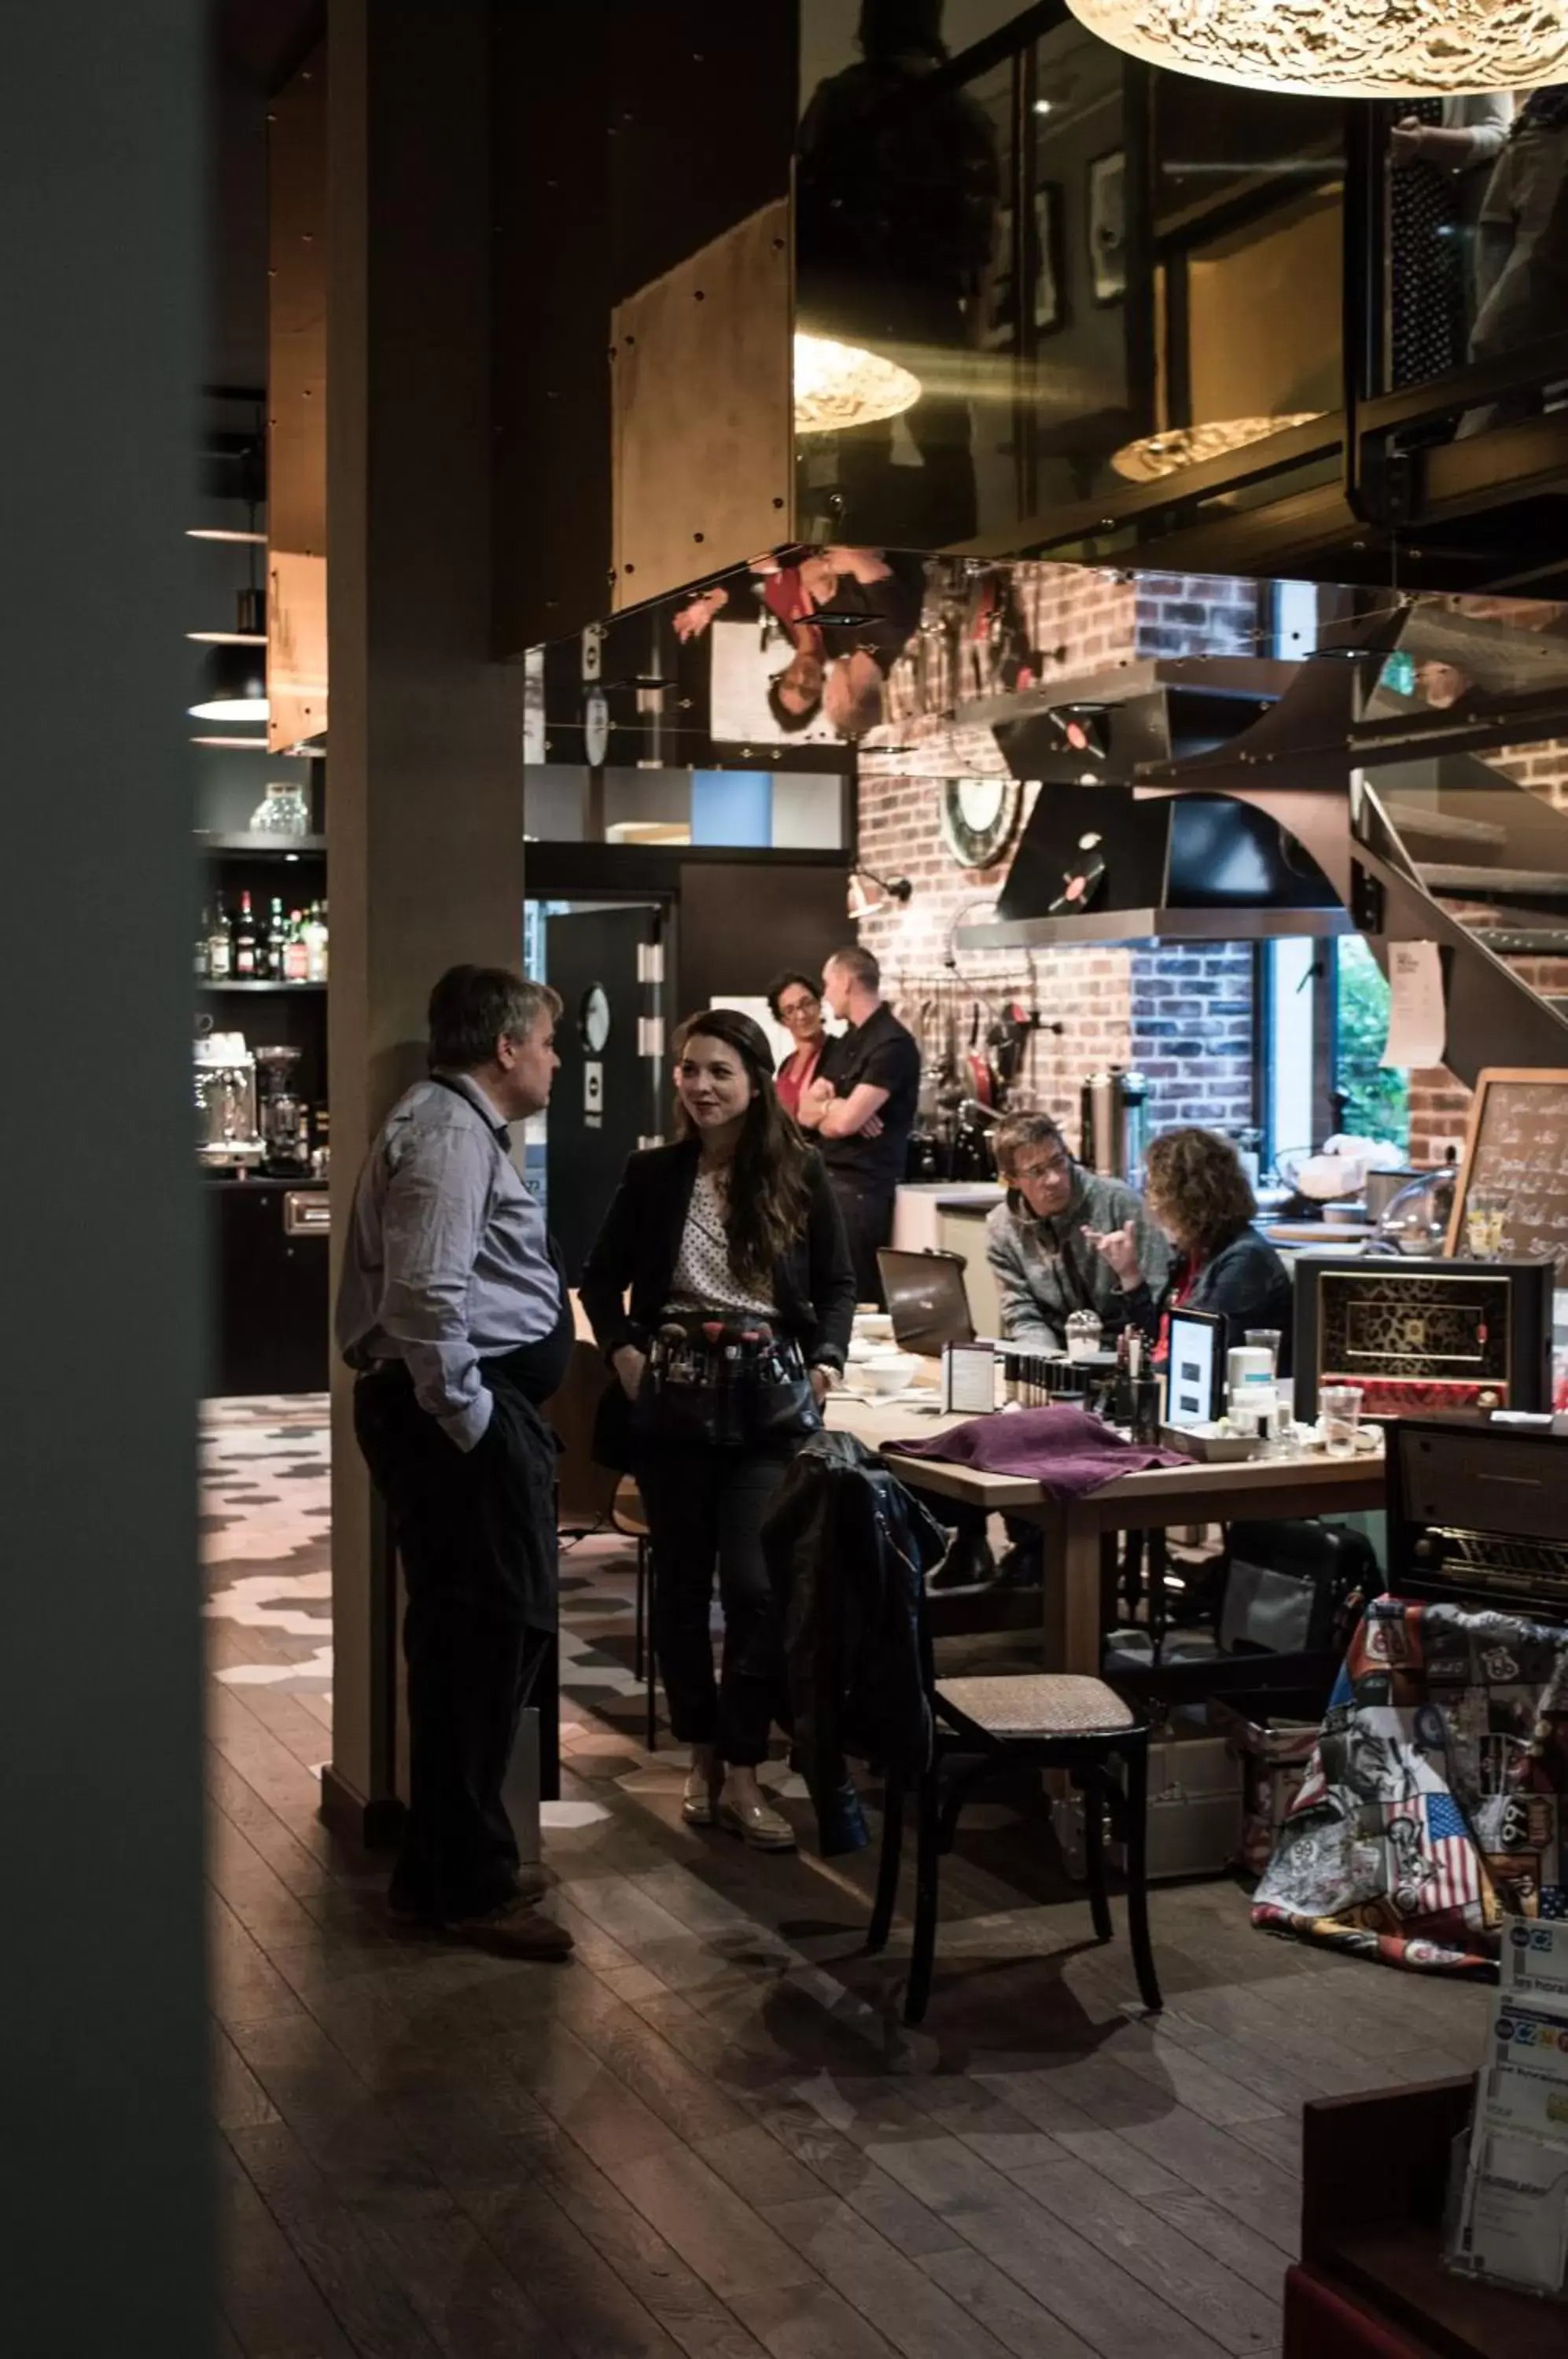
{"x":1196,"y":1368}
{"x":927,"y":1300}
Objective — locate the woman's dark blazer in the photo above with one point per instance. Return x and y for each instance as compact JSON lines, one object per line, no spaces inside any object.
{"x":1246,"y":1284}
{"x":813,"y":1282}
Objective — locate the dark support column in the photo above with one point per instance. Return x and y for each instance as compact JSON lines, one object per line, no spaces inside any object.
{"x":105,"y":2167}
{"x":425,"y":804}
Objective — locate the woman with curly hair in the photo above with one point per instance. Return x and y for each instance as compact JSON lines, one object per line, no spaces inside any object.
{"x":735,"y":1222}
{"x":1198,"y":1193}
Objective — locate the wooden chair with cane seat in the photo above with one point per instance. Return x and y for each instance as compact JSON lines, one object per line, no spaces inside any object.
{"x":629,"y":1516}
{"x":1034,"y":1720}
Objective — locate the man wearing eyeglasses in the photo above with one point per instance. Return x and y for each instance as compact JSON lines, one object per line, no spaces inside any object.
{"x":1046,"y":1267}
{"x":1045,"y":1264}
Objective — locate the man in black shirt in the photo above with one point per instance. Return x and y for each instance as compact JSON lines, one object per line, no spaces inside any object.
{"x":862,"y":1108}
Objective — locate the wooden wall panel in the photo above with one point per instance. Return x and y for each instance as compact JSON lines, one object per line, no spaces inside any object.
{"x":297,"y":405}
{"x":702,"y":407}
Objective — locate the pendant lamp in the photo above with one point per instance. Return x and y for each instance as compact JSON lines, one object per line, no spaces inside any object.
{"x":1343,"y":49}
{"x":232,"y":683}
{"x":1156,"y":455}
{"x":839,"y":385}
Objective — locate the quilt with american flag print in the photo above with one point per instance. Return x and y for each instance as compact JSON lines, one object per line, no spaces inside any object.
{"x":1435,"y":1801}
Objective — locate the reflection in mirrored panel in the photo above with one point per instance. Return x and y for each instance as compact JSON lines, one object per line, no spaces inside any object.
{"x":1043,"y":274}
{"x":1157,"y":811}
{"x":1035,"y":276}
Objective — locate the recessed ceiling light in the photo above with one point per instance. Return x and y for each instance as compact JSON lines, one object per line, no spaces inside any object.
{"x":1042,"y":106}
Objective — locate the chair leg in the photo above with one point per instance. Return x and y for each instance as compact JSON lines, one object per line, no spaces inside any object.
{"x":927,"y":1868}
{"x":650,"y":1667}
{"x":1135,"y":1753}
{"x":887,"y":1865}
{"x":1092,"y":1788}
{"x":640,"y":1610}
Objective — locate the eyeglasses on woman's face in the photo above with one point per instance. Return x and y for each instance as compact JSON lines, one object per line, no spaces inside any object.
{"x":799,"y":1007}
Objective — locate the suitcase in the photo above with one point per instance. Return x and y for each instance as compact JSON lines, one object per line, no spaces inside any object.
{"x":1194,"y":1812}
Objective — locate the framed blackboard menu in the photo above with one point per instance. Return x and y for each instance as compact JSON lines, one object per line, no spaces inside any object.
{"x":1516,"y":1165}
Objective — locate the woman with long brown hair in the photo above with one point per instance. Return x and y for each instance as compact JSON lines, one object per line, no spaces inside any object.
{"x":735,"y":1228}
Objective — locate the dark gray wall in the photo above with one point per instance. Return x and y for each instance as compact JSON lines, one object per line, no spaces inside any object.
{"x":103,"y":2161}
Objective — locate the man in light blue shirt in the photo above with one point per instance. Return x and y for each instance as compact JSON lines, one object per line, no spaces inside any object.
{"x":452,"y":1311}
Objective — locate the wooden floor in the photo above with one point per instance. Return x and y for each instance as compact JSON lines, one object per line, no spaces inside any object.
{"x":709,"y":2134}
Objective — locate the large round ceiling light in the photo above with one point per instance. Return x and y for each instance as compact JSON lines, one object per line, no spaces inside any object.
{"x":1156,"y":455}
{"x":839,"y":385}
{"x":1343,"y":49}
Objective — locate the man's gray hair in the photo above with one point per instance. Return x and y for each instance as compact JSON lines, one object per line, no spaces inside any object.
{"x":1021,"y":1130}
{"x":473,"y":1006}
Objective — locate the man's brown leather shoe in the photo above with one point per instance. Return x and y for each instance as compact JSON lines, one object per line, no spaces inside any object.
{"x":515,"y":1929}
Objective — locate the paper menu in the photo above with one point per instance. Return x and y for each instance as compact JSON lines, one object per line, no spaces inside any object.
{"x":1525,"y":2086}
{"x":1512,"y":2224}
{"x":1517,"y":2211}
{"x":1418,"y":1019}
{"x":1535,"y":1961}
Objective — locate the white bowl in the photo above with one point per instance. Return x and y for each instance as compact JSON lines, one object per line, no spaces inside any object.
{"x":890,"y":1372}
{"x":874,"y":1327}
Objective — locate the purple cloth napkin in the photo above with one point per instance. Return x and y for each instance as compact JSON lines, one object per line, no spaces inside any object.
{"x":1066,"y":1449}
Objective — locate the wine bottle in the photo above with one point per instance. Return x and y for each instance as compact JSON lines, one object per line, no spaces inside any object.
{"x":246,"y":949}
{"x":203,"y":936}
{"x":276,"y":938}
{"x":220,"y":946}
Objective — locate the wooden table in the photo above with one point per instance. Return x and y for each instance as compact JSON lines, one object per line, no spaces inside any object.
{"x":1192,"y":1493}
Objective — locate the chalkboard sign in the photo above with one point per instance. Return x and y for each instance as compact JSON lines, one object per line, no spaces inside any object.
{"x":1516,"y":1165}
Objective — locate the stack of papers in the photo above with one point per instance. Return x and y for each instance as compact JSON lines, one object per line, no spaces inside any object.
{"x":1513,"y":2222}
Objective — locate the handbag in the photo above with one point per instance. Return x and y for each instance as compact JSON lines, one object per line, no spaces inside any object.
{"x":1290,"y":1586}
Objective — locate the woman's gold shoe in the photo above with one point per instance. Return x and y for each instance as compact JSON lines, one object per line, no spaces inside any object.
{"x":697,"y":1801}
{"x":757,"y":1823}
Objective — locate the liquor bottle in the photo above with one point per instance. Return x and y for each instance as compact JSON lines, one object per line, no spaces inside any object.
{"x":220,"y":947}
{"x":203,"y":936}
{"x":296,"y":959}
{"x":247,"y":958}
{"x":276,"y":937}
{"x":316,"y":943}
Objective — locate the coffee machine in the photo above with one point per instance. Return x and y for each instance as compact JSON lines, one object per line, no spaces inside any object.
{"x":228,"y":1138}
{"x":285,"y":1122}
{"x":1114,"y":1111}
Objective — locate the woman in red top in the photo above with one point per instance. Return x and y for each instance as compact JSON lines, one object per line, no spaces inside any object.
{"x":796,"y":1004}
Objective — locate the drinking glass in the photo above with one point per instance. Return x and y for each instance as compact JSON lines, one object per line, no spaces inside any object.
{"x":1266,"y":1339}
{"x":1339,"y":1407}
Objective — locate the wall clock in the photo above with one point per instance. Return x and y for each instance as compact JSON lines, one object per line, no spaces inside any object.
{"x":979,"y":816}
{"x":594,"y":1019}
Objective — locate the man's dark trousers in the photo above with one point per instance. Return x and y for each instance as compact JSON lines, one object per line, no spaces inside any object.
{"x":867,"y":1222}
{"x":476,"y":1532}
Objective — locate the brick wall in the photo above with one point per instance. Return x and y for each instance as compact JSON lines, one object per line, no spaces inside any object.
{"x":1184,"y":1016}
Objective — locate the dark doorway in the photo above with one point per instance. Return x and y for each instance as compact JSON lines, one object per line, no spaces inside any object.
{"x":607,"y":964}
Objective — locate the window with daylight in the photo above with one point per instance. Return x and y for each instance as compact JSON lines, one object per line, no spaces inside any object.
{"x":1377,"y":1098}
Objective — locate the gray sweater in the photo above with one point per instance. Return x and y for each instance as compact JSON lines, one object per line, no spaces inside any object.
{"x":1045,"y":1270}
